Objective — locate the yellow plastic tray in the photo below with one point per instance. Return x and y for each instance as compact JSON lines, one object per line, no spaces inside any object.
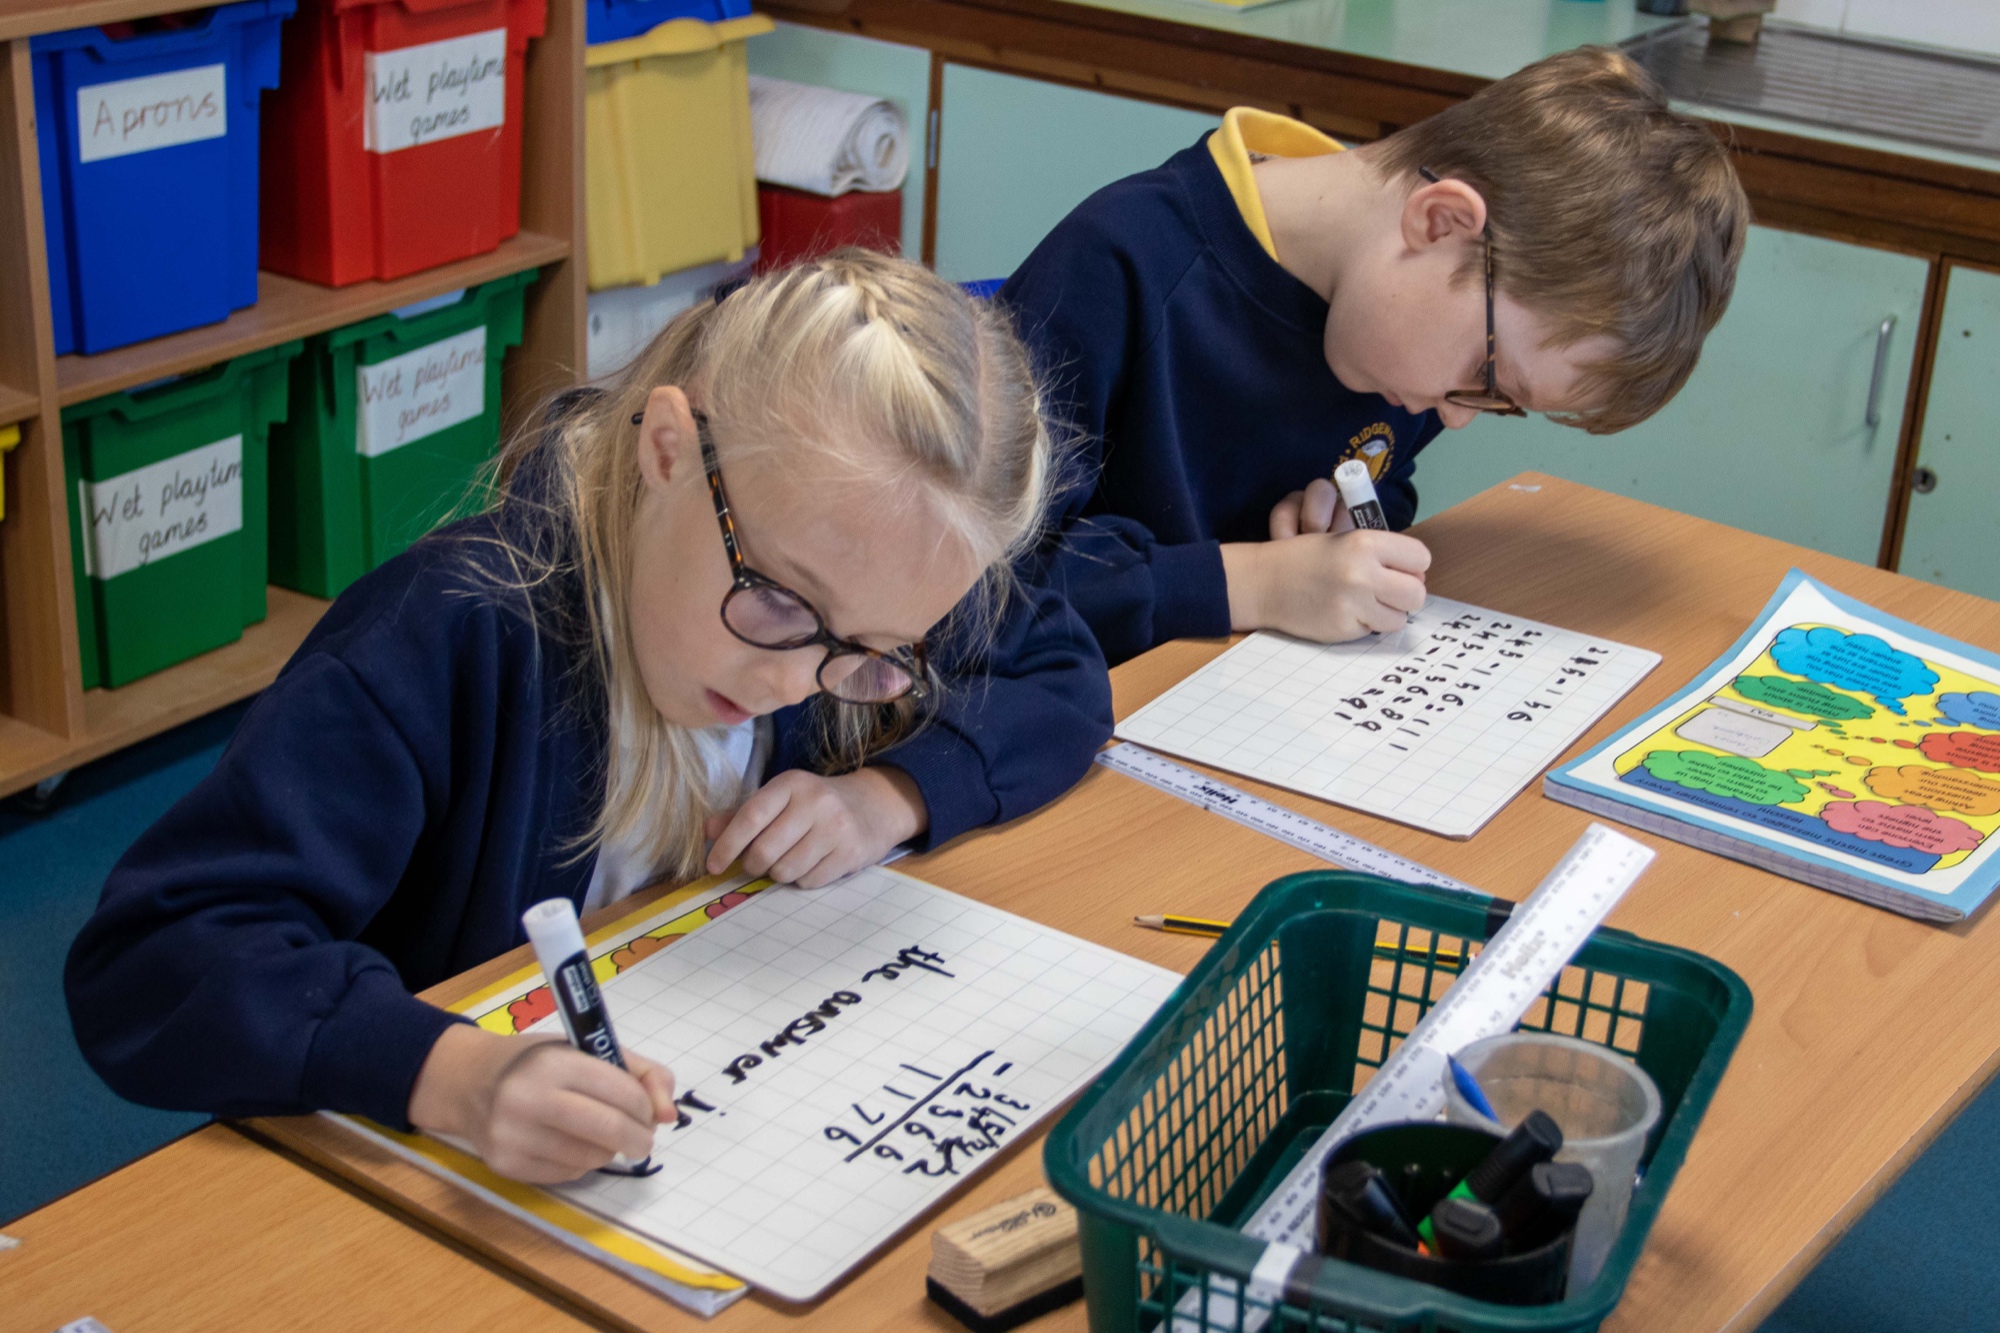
{"x":668,"y":175}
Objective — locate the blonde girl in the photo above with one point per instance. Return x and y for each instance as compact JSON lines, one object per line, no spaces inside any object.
{"x":778,"y":544}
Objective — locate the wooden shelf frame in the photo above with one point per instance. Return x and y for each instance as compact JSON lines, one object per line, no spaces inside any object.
{"x":18,"y":404}
{"x":47,"y":722}
{"x":288,"y":308}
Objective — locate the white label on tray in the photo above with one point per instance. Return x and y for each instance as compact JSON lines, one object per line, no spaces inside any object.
{"x":145,"y":515}
{"x":420,"y":393}
{"x":439,"y":90}
{"x":157,"y":111}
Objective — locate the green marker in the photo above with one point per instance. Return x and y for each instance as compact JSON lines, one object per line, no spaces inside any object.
{"x":1535,"y":1140}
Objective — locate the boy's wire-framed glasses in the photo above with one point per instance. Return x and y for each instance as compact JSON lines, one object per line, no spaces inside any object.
{"x":1489,"y":399}
{"x":764,"y":613}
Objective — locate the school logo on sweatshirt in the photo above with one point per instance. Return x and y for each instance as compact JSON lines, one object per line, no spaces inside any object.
{"x":1374,"y":445}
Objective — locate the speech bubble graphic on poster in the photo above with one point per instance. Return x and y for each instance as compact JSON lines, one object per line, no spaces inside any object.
{"x":1725,"y":775}
{"x":1752,"y":737}
{"x":1958,"y":790}
{"x":1910,"y":826}
{"x":1979,"y":708}
{"x":1962,"y":749}
{"x":1802,"y":696}
{"x":1858,"y":662}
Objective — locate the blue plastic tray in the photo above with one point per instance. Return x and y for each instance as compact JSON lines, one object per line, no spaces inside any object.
{"x":149,"y":172}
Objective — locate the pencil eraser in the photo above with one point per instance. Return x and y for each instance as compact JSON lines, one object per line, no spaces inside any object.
{"x":1007,"y":1264}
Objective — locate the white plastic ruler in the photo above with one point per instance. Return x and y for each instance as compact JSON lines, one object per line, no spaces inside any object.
{"x":1314,"y":839}
{"x":1489,"y":997}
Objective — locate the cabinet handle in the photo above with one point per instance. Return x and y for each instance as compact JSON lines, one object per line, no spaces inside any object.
{"x":1881,"y":365}
{"x":1923,"y":481}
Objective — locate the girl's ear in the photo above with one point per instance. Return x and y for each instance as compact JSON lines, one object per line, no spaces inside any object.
{"x":668,"y":445}
{"x":1442,"y":211}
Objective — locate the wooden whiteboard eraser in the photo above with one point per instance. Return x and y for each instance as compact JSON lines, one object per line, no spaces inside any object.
{"x":1008,"y":1264}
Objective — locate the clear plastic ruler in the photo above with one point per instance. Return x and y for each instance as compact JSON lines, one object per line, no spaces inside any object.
{"x":1314,"y":839}
{"x":1489,"y":997}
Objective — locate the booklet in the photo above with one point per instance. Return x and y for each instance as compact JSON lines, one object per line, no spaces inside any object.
{"x":1832,"y":744}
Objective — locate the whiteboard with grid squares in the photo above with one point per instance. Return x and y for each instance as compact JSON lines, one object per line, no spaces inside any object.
{"x":1438,"y":725}
{"x":844,"y":1057}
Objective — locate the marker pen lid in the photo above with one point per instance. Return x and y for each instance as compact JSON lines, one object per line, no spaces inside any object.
{"x":1466,"y":1231}
{"x":1544,"y":1203}
{"x":1536,"y":1139}
{"x":1352,"y":480}
{"x":553,"y":930}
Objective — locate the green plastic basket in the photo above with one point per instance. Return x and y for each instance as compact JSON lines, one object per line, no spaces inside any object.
{"x":1264,"y":1043}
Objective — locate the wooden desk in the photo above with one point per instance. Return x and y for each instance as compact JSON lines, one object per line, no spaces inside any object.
{"x":216,"y":1233}
{"x":1796,"y":1144}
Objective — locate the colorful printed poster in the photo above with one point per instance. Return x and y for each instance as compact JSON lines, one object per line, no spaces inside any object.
{"x":1832,"y":743}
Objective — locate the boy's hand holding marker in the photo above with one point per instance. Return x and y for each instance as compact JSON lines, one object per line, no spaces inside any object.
{"x":1319,"y":577}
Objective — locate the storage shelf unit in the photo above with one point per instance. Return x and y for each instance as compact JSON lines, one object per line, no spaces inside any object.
{"x":113,"y":719}
{"x":48,"y":723}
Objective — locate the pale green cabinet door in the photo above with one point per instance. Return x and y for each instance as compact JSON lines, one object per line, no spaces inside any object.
{"x":1015,"y":155}
{"x":1950,"y":536}
{"x":860,"y":65}
{"x":1771,"y":432}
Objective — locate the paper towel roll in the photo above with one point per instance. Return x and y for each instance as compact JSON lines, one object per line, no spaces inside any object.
{"x":825,"y":140}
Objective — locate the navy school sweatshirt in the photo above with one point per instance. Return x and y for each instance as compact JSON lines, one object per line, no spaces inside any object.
{"x":1188,"y":363}
{"x":410,"y":784}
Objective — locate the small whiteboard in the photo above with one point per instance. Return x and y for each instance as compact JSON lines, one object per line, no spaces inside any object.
{"x":1438,"y":725}
{"x":845,"y":1057}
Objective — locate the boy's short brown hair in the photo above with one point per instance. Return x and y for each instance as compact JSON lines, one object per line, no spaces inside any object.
{"x":1608,"y":213}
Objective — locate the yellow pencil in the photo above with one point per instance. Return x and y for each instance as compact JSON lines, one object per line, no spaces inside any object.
{"x":1202,"y":926}
{"x":1182,"y":925}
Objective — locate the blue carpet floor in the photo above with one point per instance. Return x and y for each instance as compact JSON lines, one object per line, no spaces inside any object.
{"x":59,"y":1126}
{"x":1908,"y":1265}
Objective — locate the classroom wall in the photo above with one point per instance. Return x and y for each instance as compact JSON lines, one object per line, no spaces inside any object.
{"x":1015,"y":157}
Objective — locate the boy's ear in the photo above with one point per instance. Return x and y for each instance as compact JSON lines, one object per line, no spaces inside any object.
{"x":1445,"y":211}
{"x":668,"y":444}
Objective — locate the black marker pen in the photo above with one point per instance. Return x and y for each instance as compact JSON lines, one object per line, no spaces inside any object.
{"x":1352,"y":481}
{"x":1361,"y":1193}
{"x":558,"y":939}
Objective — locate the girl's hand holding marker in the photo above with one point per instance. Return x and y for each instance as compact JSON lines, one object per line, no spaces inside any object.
{"x":539,"y":1110}
{"x":1331,"y":571}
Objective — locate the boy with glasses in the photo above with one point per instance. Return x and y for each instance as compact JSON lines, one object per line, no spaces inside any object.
{"x":1223,"y":331}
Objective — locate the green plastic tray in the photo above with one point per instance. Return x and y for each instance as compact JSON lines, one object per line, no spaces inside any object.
{"x":1264,"y":1043}
{"x":131,"y":622}
{"x":337,"y":513}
